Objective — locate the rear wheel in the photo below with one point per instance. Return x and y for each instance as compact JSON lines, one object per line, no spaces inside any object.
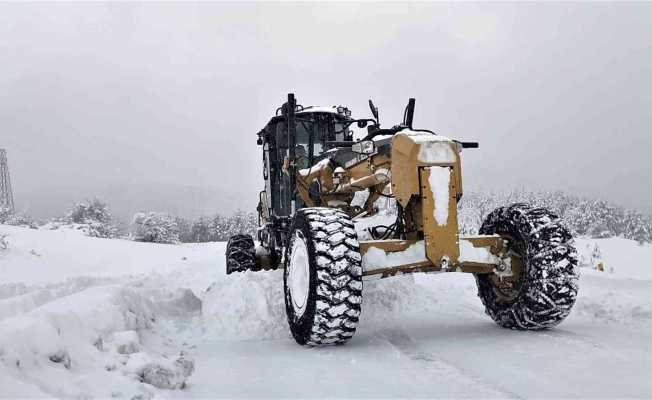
{"x":240,"y":254}
{"x":323,"y":277}
{"x":544,"y":289}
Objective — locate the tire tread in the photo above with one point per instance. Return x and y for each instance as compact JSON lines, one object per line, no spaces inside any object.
{"x":338,"y":289}
{"x":549,"y":288}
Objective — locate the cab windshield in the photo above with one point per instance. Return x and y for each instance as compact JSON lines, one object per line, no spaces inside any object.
{"x":313,"y":131}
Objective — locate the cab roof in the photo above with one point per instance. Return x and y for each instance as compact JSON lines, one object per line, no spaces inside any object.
{"x":311,"y":109}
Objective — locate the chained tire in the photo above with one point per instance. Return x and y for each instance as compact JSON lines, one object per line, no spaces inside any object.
{"x":240,"y":254}
{"x":546,"y":291}
{"x":323,"y":277}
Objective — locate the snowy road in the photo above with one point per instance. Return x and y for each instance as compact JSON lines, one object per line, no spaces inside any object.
{"x":92,"y":317}
{"x":449,"y":349}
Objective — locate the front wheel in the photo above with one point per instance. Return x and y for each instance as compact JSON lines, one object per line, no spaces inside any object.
{"x":323,"y":277}
{"x":546,"y":288}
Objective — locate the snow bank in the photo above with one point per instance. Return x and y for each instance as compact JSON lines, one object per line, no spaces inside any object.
{"x":42,"y":257}
{"x":250,"y":306}
{"x":75,"y":323}
{"x":72,"y":324}
{"x":93,"y":331}
{"x":247,"y":305}
{"x":72,"y":310}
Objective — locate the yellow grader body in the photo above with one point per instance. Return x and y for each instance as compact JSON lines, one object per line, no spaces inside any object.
{"x":523,"y":260}
{"x":423,"y":173}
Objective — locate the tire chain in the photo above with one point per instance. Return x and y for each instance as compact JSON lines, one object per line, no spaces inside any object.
{"x":549,"y":289}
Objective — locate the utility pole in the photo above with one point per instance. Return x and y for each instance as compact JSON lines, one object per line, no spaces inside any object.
{"x":6,"y":194}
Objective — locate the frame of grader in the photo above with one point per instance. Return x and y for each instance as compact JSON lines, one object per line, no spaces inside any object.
{"x":319,"y":221}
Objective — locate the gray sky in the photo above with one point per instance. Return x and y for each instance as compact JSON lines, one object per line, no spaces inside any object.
{"x":162,"y":101}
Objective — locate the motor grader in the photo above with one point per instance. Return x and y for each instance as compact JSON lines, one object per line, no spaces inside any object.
{"x":320,"y":184}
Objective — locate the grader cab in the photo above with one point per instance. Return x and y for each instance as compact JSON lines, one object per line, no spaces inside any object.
{"x":315,"y":226}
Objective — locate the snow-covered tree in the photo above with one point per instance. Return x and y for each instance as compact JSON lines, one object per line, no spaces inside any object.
{"x":92,"y":217}
{"x":9,"y":217}
{"x":584,"y":217}
{"x":637,"y":227}
{"x":21,"y":219}
{"x":219,"y":228}
{"x":185,"y":227}
{"x":94,"y":210}
{"x":5,"y":214}
{"x":201,"y":230}
{"x":240,"y":222}
{"x":155,"y":227}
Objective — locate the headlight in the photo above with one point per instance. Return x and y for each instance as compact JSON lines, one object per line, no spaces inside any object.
{"x":364,"y":147}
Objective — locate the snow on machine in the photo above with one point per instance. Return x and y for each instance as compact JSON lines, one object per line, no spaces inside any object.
{"x":523,"y":260}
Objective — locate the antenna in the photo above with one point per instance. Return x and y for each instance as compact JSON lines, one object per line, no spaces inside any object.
{"x":409,"y":113}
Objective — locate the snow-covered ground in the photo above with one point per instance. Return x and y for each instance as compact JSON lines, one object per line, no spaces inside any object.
{"x":85,"y":317}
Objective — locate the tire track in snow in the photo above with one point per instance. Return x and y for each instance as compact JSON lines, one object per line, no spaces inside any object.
{"x":571,"y":338}
{"x":406,"y":346}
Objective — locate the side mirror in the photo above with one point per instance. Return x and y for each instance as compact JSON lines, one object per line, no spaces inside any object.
{"x":374,"y":110}
{"x":362,"y":123}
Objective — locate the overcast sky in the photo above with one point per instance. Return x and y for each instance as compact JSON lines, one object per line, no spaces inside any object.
{"x":95,"y":95}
